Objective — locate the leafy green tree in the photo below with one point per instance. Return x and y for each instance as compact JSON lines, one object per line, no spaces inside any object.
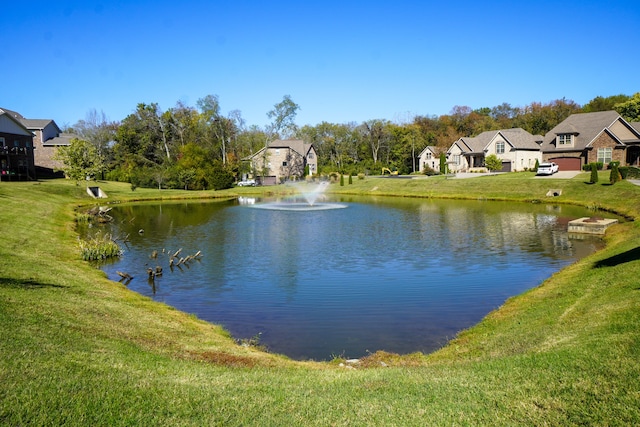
{"x":492,"y":162}
{"x":81,"y":160}
{"x":630,"y":109}
{"x":97,"y":129}
{"x":600,"y":103}
{"x":282,"y":118}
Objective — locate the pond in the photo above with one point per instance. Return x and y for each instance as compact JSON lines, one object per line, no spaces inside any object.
{"x":400,"y":275}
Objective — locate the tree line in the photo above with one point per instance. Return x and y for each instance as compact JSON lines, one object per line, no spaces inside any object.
{"x":199,"y":147}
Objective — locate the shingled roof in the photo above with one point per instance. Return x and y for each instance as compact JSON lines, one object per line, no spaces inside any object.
{"x":584,"y":126}
{"x":517,"y":137}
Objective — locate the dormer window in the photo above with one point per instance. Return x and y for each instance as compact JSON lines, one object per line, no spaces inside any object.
{"x":565,"y":139}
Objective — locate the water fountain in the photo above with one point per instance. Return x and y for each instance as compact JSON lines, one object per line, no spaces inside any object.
{"x":306,"y":199}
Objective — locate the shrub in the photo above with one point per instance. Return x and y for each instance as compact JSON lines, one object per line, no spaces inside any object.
{"x":629,"y":172}
{"x":429,"y":171}
{"x":594,"y":173}
{"x":615,"y":174}
{"x":361,"y":176}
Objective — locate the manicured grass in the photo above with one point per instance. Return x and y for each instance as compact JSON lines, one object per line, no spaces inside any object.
{"x":78,"y":349}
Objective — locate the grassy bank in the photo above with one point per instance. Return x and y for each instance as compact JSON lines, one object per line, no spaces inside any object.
{"x":78,"y":349}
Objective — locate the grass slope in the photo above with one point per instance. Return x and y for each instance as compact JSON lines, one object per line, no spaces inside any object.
{"x":78,"y":349}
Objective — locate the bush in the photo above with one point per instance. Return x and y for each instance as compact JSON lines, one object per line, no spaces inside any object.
{"x":429,"y":171}
{"x":630,"y":172}
{"x":361,"y":176}
{"x":594,"y":173}
{"x":615,"y":174}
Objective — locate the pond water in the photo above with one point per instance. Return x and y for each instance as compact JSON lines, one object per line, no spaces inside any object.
{"x":400,"y":275}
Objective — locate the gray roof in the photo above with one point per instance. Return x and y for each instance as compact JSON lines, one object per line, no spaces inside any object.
{"x":62,"y":139}
{"x":519,"y":138}
{"x":30,"y":123}
{"x":584,"y":126}
{"x":297,"y":145}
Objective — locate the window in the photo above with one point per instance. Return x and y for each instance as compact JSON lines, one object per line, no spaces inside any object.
{"x":277,"y":151}
{"x":1,"y":140}
{"x":456,"y":159}
{"x":604,"y":155}
{"x":310,"y":156}
{"x":565,"y":139}
{"x":500,"y":147}
{"x":428,"y":154}
{"x":284,"y":163}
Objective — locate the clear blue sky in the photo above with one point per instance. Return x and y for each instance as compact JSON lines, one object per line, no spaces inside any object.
{"x":340,"y":61}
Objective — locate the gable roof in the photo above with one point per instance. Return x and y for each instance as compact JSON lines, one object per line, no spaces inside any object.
{"x":431,"y":148}
{"x":584,"y":127}
{"x":15,"y":124}
{"x":516,"y":137}
{"x":297,"y":145}
{"x":521,"y":139}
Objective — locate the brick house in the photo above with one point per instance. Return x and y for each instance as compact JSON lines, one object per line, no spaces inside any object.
{"x":283,"y":160}
{"x":585,"y":138}
{"x":16,"y":149}
{"x":47,"y":137}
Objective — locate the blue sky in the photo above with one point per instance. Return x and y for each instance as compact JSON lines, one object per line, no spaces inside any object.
{"x":340,"y":61}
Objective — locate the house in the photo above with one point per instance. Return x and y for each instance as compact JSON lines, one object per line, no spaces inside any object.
{"x":283,"y":160}
{"x":585,"y":138}
{"x":429,"y":159}
{"x":516,"y":147}
{"x":47,"y":137}
{"x":16,"y":149}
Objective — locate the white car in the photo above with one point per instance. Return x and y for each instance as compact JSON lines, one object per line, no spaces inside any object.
{"x":247,"y":183}
{"x":548,"y":168}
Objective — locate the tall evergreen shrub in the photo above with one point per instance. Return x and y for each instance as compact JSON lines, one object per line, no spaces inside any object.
{"x":615,"y":173}
{"x":594,"y":173}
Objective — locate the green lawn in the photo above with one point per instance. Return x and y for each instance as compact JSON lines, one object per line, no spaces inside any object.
{"x":78,"y":349}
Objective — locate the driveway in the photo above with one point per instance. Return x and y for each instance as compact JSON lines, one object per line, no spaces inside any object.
{"x":560,"y":175}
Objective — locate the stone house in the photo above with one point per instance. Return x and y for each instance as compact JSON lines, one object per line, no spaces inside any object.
{"x":517,"y":149}
{"x":283,"y":160}
{"x":429,"y":158}
{"x":585,"y":138}
{"x":16,"y":149}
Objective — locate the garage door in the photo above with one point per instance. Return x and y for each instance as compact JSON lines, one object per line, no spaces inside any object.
{"x":506,"y":166}
{"x":567,"y":163}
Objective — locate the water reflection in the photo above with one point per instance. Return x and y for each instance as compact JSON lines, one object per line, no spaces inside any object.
{"x":385,"y":274}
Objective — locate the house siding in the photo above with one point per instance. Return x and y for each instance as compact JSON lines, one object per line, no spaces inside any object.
{"x":621,"y":131}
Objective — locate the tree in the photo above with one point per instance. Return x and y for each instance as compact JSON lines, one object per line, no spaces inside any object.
{"x":282,"y":119}
{"x":97,"y":129}
{"x":492,"y":162}
{"x":630,"y":109}
{"x":600,"y":103}
{"x":80,"y":158}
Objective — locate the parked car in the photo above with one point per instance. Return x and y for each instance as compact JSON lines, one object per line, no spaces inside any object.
{"x":247,"y":183}
{"x":548,"y":168}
